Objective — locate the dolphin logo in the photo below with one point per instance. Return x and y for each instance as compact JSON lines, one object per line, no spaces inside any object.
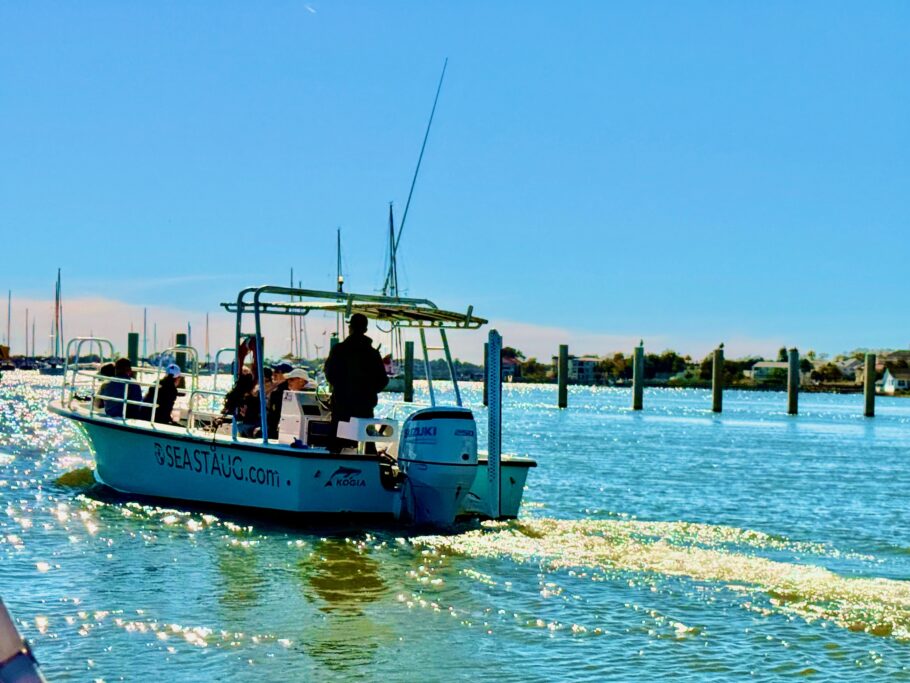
{"x":344,"y":476}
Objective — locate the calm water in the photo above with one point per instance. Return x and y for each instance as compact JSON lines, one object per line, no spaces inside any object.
{"x":670,"y":542}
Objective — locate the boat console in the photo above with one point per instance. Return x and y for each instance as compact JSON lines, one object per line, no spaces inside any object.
{"x":304,"y":419}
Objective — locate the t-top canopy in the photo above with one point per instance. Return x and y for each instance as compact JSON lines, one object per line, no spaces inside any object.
{"x":404,"y":312}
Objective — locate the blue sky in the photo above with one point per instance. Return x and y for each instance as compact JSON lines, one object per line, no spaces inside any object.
{"x":687,"y":172}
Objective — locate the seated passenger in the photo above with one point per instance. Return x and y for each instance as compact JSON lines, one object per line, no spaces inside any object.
{"x":295,"y":380}
{"x":106,"y":370}
{"x":241,"y":402}
{"x":167,"y":396}
{"x":279,"y":373}
{"x":114,"y":392}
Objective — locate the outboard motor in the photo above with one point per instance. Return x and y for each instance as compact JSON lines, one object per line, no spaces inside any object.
{"x":438,"y":455}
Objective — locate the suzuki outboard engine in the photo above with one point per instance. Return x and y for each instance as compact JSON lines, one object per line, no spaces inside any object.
{"x":438,"y":455}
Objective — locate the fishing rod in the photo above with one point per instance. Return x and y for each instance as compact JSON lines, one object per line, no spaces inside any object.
{"x":404,"y":216}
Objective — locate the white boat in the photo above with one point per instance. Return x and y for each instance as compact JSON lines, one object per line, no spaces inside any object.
{"x":427,"y":470}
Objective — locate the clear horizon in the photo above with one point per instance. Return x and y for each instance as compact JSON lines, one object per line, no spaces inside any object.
{"x":595,"y":174}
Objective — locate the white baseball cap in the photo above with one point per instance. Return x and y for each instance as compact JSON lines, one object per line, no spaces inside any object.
{"x":173,"y":370}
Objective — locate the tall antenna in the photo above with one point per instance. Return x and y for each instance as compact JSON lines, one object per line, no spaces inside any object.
{"x":340,"y":284}
{"x":426,"y":135}
{"x":338,"y":251}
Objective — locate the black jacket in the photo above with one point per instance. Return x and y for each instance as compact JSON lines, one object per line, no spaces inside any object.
{"x":167,"y":396}
{"x":273,"y":408}
{"x":357,"y":375}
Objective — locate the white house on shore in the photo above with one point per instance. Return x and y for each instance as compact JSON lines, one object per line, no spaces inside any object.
{"x":894,"y":381}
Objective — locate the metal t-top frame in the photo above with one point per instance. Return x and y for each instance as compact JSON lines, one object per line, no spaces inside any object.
{"x":400,"y":311}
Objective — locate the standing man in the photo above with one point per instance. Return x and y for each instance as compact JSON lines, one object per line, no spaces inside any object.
{"x":357,"y":375}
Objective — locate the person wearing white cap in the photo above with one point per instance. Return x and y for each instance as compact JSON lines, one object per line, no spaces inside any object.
{"x":167,"y":395}
{"x":295,"y":380}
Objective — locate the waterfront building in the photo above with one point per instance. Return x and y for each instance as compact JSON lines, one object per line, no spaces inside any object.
{"x":849,"y":366}
{"x":895,"y":381}
{"x":583,"y":369}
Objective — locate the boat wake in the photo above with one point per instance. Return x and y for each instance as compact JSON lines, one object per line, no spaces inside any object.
{"x":699,"y":552}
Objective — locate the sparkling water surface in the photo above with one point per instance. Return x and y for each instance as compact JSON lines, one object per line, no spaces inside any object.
{"x":671,"y":542}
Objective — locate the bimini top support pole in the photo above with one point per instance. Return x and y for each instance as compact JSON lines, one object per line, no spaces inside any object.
{"x":426,"y":366}
{"x":260,"y":372}
{"x":445,"y":346}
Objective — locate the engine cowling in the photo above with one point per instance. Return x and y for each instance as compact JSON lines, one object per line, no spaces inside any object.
{"x":438,"y":455}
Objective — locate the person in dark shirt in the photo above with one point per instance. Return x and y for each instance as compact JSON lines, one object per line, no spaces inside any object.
{"x":357,"y":375}
{"x":242,"y":403}
{"x":167,"y":395}
{"x":123,"y":370}
{"x":106,"y":370}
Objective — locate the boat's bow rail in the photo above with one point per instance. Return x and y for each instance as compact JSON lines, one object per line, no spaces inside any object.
{"x":82,"y":386}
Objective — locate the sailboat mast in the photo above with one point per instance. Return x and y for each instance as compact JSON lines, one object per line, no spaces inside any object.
{"x":391,"y":281}
{"x":391,"y":288}
{"x":26,"y":331}
{"x":60,"y":315}
{"x":207,"y":357}
{"x":145,"y":335}
{"x":55,"y":325}
{"x":9,"y":316}
{"x":306,"y":339}
{"x":33,"y":341}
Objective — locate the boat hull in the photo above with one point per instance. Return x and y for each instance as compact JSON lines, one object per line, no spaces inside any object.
{"x":170,"y":465}
{"x":161,"y":461}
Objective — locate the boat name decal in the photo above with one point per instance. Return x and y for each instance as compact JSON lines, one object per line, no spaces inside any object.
{"x":345,"y":476}
{"x":213,"y":463}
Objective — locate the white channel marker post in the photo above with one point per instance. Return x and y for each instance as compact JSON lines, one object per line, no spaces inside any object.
{"x":494,"y":420}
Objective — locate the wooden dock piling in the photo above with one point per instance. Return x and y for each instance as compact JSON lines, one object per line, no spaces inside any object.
{"x":717,"y":380}
{"x":180,"y":340}
{"x":793,"y":382}
{"x":409,"y":371}
{"x":132,"y":347}
{"x":562,"y":376}
{"x":638,"y":376}
{"x":869,"y":385}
